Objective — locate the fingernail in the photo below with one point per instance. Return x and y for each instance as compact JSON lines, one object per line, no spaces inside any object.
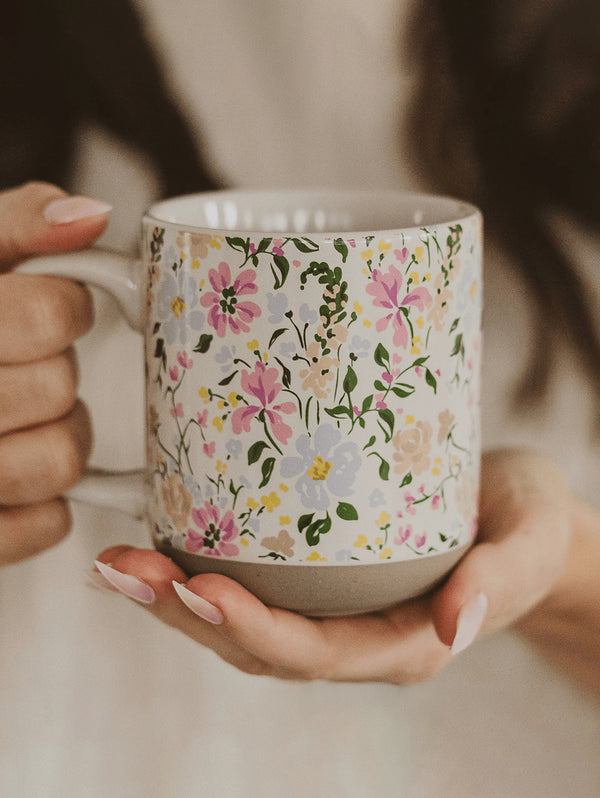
{"x":202,"y":608}
{"x":129,"y":585}
{"x":71,"y":209}
{"x":470,"y":621}
{"x":96,"y":580}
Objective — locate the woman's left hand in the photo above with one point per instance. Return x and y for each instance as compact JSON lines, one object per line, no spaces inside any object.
{"x":519,"y":555}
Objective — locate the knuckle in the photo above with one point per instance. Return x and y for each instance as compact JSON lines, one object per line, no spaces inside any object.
{"x":67,"y":458}
{"x":53,"y":313}
{"x":58,"y":385}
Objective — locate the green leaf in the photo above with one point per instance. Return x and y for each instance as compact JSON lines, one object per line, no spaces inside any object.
{"x":382,"y":357}
{"x":407,"y":480}
{"x":384,"y":469}
{"x":319,"y":527}
{"x":403,"y":392}
{"x":372,"y":440}
{"x":266,"y":470}
{"x":305,"y":245}
{"x":420,"y":360}
{"x":337,"y":412}
{"x":276,"y":335}
{"x":255,"y":451}
{"x":454,"y":325}
{"x":431,"y":380}
{"x":237,"y":243}
{"x":387,"y":417}
{"x":304,"y":521}
{"x":367,"y":402}
{"x":379,"y":386}
{"x":159,"y":348}
{"x":457,"y":345}
{"x":203,"y":344}
{"x":342,"y":248}
{"x":283,"y":267}
{"x":227,"y":380}
{"x":347,"y":512}
{"x":264,"y":245}
{"x":286,"y":374}
{"x":350,"y":380}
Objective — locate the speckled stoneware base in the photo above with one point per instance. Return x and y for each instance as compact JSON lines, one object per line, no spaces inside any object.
{"x":327,"y":590}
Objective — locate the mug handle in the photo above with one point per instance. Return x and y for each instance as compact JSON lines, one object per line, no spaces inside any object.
{"x":122,"y":278}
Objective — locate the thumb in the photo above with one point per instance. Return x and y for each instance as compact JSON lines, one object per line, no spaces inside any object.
{"x":522,"y":547}
{"x":39,"y":218}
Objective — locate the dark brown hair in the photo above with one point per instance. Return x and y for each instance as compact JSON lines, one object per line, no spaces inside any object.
{"x":507,"y":114}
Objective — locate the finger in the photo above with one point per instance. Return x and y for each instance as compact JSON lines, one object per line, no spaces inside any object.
{"x":41,"y":463}
{"x":25,"y":531}
{"x":34,"y":221}
{"x":41,"y":316}
{"x":524,"y":534}
{"x":36,"y":393}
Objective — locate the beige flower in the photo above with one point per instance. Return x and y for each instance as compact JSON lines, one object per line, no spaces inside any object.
{"x":177,"y":499}
{"x":412,"y":448}
{"x":283,"y":543}
{"x":198,"y":243}
{"x":445,"y":418}
{"x":465,"y":495}
{"x":334,"y":335}
{"x":320,"y":372}
{"x":441,"y":298}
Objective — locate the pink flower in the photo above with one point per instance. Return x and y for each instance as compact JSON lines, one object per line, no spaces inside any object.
{"x":177,"y":411}
{"x":386,"y":290}
{"x":226,"y":309}
{"x":356,"y":410}
{"x":379,"y":403}
{"x":401,"y":254}
{"x":209,"y":449}
{"x":184,"y":361}
{"x":202,"y":417}
{"x":174,"y":373}
{"x":435,"y":502}
{"x":262,"y":385}
{"x":253,"y":248}
{"x":277,"y":244}
{"x":216,"y":532}
{"x":403,"y":535}
{"x":419,"y":540}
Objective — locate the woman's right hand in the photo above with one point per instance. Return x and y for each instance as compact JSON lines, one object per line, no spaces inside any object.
{"x":45,"y":436}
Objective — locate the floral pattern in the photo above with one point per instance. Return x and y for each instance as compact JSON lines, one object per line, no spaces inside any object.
{"x":314,"y":399}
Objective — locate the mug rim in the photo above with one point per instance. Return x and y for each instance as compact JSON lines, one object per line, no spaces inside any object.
{"x":444,"y":210}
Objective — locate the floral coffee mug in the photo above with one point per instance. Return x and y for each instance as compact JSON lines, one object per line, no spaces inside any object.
{"x":312,"y":366}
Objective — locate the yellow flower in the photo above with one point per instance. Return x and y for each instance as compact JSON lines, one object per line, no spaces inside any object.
{"x":379,"y":541}
{"x":314,"y":556}
{"x":177,"y":306}
{"x":427,"y":277}
{"x":366,"y":254}
{"x":384,"y":246}
{"x":366,"y":323}
{"x":365,"y":272}
{"x":265,"y":356}
{"x":203,"y":392}
{"x":218,"y":423}
{"x":419,"y":252}
{"x":284,"y":520}
{"x":420,"y":322}
{"x":386,"y":554}
{"x":320,"y":469}
{"x":221,"y":467}
{"x":196,"y":263}
{"x":271,"y":501}
{"x":244,"y":541}
{"x":215,"y":242}
{"x":383,"y":518}
{"x":221,"y":404}
{"x":252,"y":504}
{"x":409,"y":419}
{"x":283,"y":487}
{"x":360,"y":542}
{"x":358,"y":308}
{"x":413,"y":277}
{"x":232,"y":399}
{"x":252,"y":345}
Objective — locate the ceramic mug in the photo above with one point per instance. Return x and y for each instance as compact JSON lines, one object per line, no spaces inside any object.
{"x":312,"y":364}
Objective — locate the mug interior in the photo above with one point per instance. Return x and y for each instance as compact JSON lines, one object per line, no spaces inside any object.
{"x":309,"y":212}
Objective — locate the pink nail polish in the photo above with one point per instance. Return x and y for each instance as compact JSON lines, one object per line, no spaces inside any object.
{"x":470,"y":621}
{"x":202,"y":608}
{"x":71,"y":209}
{"x":127,"y":584}
{"x":96,"y":580}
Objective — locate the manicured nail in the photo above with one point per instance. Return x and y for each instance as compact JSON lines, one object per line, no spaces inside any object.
{"x":71,"y":209}
{"x":470,"y":620}
{"x":202,"y":608}
{"x":127,"y":584}
{"x":96,"y":580}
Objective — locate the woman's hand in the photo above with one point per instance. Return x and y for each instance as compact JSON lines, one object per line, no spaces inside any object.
{"x":519,"y":556}
{"x":45,"y":434}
